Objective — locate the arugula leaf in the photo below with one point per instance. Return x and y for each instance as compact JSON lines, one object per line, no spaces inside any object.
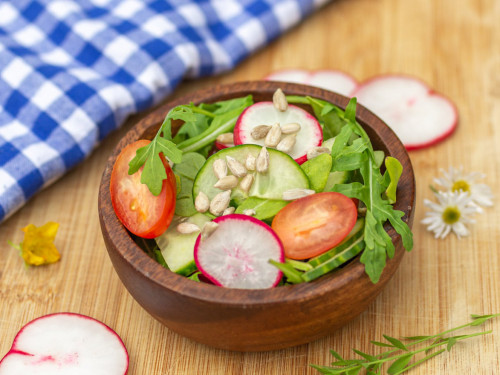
{"x":359,"y":154}
{"x":201,"y":127}
{"x":154,"y":172}
{"x":221,"y":123}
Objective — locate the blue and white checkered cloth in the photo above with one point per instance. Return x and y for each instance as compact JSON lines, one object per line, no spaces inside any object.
{"x":71,"y":71}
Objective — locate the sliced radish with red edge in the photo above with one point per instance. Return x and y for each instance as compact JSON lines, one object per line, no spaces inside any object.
{"x":419,"y":116}
{"x":219,"y":145}
{"x":237,"y":253}
{"x":332,"y":80}
{"x":66,"y":344}
{"x":264,"y":113}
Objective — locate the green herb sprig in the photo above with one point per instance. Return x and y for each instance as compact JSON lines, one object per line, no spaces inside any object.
{"x":202,"y":125}
{"x":400,"y":355}
{"x":353,"y":151}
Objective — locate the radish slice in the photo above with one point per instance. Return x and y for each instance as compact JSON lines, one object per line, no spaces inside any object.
{"x":66,"y":344}
{"x":237,"y":253}
{"x":332,"y":80}
{"x":264,"y":113}
{"x":418,"y":116}
{"x":219,"y":145}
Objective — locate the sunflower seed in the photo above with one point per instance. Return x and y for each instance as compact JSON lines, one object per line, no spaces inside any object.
{"x":279,"y":100}
{"x":227,"y":182}
{"x":208,"y":229}
{"x":236,"y":167}
{"x":290,"y":128}
{"x":220,"y":168}
{"x":226,"y":138}
{"x":287,"y":143}
{"x":187,"y":228}
{"x":274,"y":136}
{"x":260,"y":131}
{"x":201,"y":203}
{"x":250,"y":162}
{"x":228,"y":211}
{"x":316,"y":151}
{"x":220,"y":202}
{"x":246,"y":183}
{"x":249,"y":212}
{"x":262,"y":161}
{"x":292,"y":194}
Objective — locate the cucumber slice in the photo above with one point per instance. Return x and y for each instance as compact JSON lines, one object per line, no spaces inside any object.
{"x":354,"y":235}
{"x":177,"y":249}
{"x":337,"y":177}
{"x":339,"y":259}
{"x":283,"y":174}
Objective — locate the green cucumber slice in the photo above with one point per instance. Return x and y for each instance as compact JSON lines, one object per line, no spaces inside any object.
{"x":283,"y":174}
{"x":339,"y":259}
{"x":177,"y":249}
{"x":337,"y":177}
{"x":354,"y":235}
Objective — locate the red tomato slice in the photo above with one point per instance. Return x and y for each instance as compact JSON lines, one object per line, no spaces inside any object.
{"x":314,"y":224}
{"x":136,"y":207}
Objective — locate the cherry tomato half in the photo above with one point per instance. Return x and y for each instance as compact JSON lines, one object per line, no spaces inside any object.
{"x":141,"y":212}
{"x":314,"y":224}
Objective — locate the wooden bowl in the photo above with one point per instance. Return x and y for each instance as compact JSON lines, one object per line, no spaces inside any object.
{"x":251,"y":320}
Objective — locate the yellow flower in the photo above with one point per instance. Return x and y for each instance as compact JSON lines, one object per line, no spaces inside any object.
{"x":38,"y":246}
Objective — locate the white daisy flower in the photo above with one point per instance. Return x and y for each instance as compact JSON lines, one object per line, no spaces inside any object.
{"x":456,"y":180}
{"x":452,"y":212}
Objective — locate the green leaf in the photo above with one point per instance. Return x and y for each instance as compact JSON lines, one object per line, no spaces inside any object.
{"x":350,"y":110}
{"x":231,"y":104}
{"x":154,"y":173}
{"x":187,"y":170}
{"x":299,"y":264}
{"x":366,"y":356}
{"x":399,"y":364}
{"x":328,"y":114}
{"x":382,"y":344}
{"x":418,"y":338}
{"x":222,"y":123}
{"x":141,"y":154}
{"x":293,"y":276}
{"x":318,"y":170}
{"x":451,"y":342}
{"x":396,"y":343}
{"x":394,"y":169}
{"x":169,"y":149}
{"x":336,"y":355}
{"x":264,"y":208}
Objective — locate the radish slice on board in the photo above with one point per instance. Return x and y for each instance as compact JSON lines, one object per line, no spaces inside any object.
{"x":237,"y":253}
{"x":332,"y":80}
{"x":264,"y":113}
{"x":66,"y":344}
{"x":418,"y":116}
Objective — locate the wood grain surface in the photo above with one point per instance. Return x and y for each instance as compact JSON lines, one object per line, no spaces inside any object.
{"x":453,"y":46}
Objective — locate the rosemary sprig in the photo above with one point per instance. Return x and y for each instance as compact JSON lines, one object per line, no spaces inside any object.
{"x":400,"y":355}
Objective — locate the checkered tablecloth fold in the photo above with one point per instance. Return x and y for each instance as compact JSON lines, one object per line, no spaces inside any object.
{"x":72,"y":71}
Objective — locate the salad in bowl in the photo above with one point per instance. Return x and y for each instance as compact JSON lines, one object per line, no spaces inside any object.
{"x":232,"y":229}
{"x":252,"y":195}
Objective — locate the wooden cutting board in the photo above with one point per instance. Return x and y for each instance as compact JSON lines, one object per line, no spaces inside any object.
{"x":454,"y":47}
